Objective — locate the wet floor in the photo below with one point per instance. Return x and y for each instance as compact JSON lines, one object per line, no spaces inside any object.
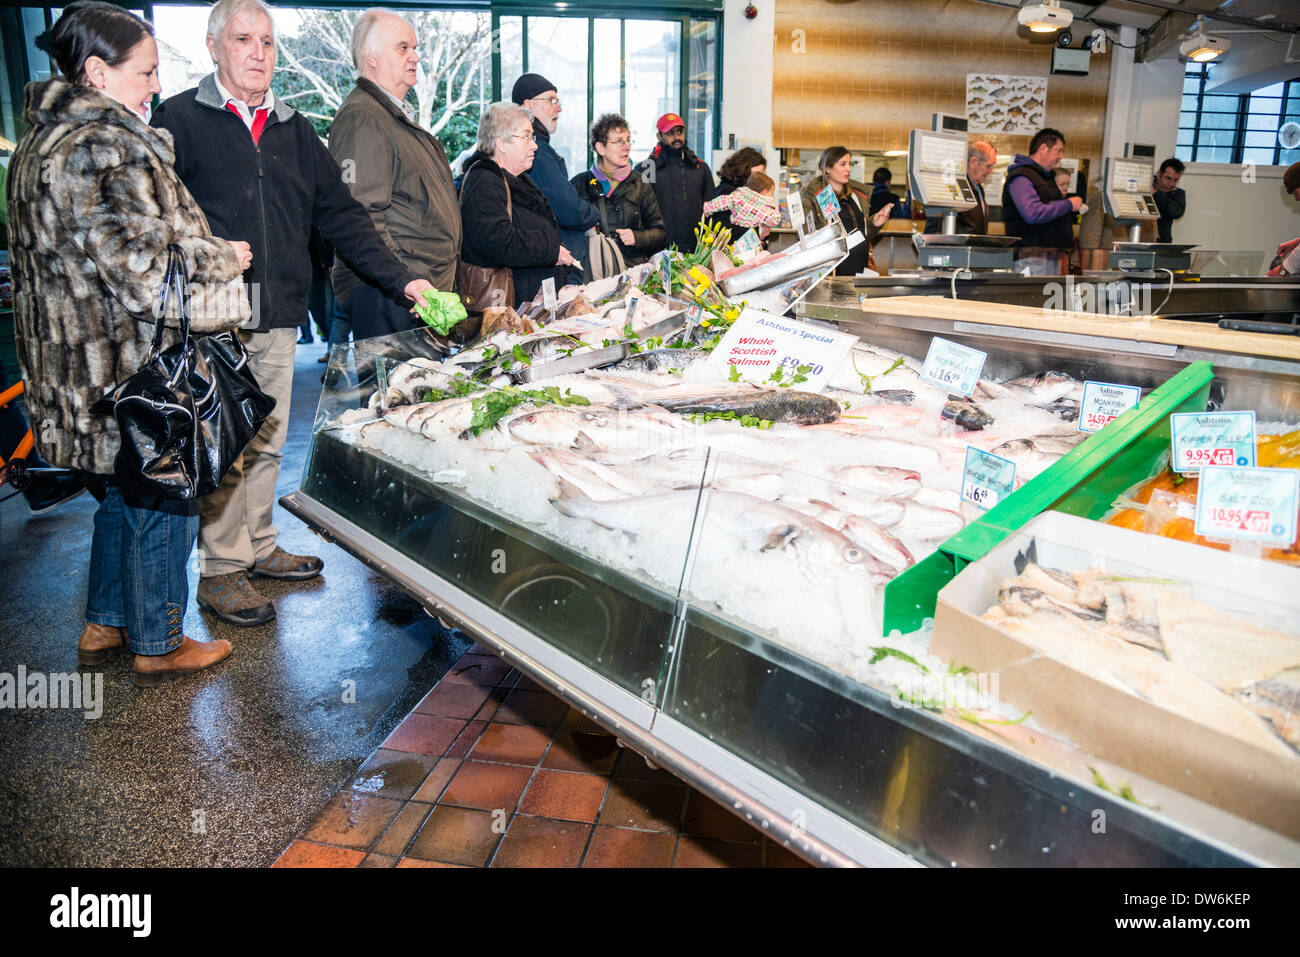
{"x":223,"y":768}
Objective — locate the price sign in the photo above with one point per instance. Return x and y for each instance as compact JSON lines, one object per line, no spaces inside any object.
{"x":1253,"y":504}
{"x":694,"y":314}
{"x":987,"y":478}
{"x":548,"y":293}
{"x":666,"y":273}
{"x":759,"y":345}
{"x":856,"y":238}
{"x":830,"y":206}
{"x":1103,"y":402}
{"x":953,"y":367}
{"x":1212,"y":438}
{"x":794,"y":202}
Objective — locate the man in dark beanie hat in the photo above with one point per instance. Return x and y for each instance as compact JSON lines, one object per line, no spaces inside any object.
{"x":537,"y":94}
{"x":1288,"y":253}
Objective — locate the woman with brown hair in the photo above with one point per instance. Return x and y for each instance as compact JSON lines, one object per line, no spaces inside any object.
{"x":94,"y":203}
{"x":834,"y":168}
{"x":732,"y":175}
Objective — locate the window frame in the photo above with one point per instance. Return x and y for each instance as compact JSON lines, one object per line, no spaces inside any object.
{"x":1191,"y":153}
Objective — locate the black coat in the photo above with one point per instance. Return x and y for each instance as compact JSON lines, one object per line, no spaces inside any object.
{"x":631,"y":205}
{"x":682,"y":184}
{"x":527,"y":240}
{"x":269,"y":195}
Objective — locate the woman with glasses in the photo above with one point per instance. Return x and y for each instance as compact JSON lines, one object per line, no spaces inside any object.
{"x":507,"y":221}
{"x":627,"y":203}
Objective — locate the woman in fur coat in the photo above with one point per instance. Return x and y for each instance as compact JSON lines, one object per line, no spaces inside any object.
{"x":93,"y":203}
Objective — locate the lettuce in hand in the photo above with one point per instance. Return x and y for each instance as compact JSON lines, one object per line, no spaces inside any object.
{"x":441,"y":310}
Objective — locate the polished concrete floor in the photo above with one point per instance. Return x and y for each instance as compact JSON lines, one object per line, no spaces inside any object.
{"x":223,"y":768}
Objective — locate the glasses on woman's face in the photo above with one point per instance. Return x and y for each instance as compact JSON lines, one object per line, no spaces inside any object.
{"x":522,"y":136}
{"x":624,"y":140}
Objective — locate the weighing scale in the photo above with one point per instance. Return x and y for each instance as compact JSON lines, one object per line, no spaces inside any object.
{"x":1127,"y":195}
{"x":936,"y":172}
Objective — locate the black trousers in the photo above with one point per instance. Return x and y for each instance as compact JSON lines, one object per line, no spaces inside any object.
{"x":374,"y":314}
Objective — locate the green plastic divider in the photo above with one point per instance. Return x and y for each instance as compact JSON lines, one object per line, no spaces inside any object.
{"x":1085,"y":482}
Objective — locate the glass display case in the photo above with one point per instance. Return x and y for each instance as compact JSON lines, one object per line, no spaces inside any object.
{"x":739,"y":650}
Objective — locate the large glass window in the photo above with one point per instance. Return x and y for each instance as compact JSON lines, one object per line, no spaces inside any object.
{"x":638,"y":67}
{"x":557,"y":49}
{"x":1216,"y":128}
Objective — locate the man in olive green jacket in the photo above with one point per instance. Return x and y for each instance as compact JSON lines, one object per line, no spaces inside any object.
{"x":397,"y":170}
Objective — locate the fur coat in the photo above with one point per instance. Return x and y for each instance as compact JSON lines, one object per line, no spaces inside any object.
{"x":93,"y":203}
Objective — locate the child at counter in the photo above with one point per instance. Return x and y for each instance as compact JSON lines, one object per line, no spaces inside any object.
{"x":752,"y":206}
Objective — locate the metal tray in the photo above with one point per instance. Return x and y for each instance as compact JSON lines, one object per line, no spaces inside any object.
{"x":963,"y":239}
{"x":1167,"y":249}
{"x":795,"y":263}
{"x":585,"y":359}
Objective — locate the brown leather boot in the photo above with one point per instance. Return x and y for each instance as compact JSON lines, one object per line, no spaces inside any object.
{"x":97,"y":641}
{"x":191,"y":656}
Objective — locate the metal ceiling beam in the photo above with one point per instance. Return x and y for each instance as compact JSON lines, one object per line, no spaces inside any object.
{"x":1207,"y":8}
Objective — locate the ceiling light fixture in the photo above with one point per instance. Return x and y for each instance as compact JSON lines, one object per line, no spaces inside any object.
{"x":1200,"y":47}
{"x":1045,"y":17}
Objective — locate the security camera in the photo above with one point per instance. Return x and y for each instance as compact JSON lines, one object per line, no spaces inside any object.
{"x":1096,"y":42}
{"x":1064,"y":39}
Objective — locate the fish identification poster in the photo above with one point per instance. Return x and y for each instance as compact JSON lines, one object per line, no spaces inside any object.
{"x":998,"y":103}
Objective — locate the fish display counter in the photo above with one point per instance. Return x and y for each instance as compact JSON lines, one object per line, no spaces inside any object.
{"x":699,"y":566}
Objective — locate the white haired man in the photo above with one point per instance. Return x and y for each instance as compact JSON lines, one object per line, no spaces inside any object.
{"x":259,"y":172}
{"x":397,"y":170}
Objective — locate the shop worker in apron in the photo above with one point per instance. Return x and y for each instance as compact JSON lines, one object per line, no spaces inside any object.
{"x":259,"y":172}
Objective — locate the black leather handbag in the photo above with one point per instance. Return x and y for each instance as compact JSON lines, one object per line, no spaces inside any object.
{"x":189,"y":411}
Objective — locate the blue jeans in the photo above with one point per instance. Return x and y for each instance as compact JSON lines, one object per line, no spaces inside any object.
{"x":138,"y":559}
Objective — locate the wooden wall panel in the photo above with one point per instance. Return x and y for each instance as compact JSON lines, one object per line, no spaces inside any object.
{"x":871,"y":70}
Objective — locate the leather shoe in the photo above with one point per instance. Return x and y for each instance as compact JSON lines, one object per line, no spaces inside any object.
{"x":191,"y":656}
{"x":97,"y":641}
{"x":287,"y":567}
{"x":233,"y":599}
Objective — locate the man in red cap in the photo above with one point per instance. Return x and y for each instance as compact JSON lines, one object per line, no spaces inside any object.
{"x":682,"y":183}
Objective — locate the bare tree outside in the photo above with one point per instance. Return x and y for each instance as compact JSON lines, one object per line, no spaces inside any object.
{"x":314,"y":73}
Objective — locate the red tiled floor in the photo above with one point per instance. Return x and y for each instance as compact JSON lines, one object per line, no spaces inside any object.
{"x":457,"y":836}
{"x":704,"y":852}
{"x":531,"y":707}
{"x":424,"y":734}
{"x":565,"y":795}
{"x":492,"y":703}
{"x":528,"y":684}
{"x":620,"y":847}
{"x":432,"y":787}
{"x":486,"y":670}
{"x":540,"y":842}
{"x":392,"y":774}
{"x":416,"y":862}
{"x":402,"y":829}
{"x":706,"y":818}
{"x":647,"y":805}
{"x":593,"y":753}
{"x":575,"y":720}
{"x":487,"y":786}
{"x":634,"y":767}
{"x":465,"y":743}
{"x":453,"y":700}
{"x":352,"y":820}
{"x":511,"y":743}
{"x":774,"y":855}
{"x":306,"y":854}
{"x":378,"y":860}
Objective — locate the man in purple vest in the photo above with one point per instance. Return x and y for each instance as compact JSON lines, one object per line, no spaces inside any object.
{"x":1032,"y":207}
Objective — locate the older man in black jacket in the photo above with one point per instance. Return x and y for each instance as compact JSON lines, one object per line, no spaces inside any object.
{"x":260,"y":173}
{"x":682,"y":183}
